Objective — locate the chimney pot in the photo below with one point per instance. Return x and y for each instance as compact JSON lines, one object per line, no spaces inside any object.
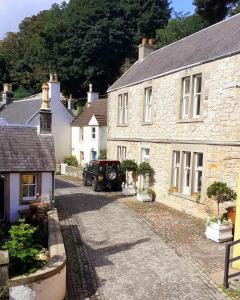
{"x":53,"y":77}
{"x":145,"y":48}
{"x":144,"y":41}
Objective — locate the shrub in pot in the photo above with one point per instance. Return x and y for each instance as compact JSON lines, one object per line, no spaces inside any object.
{"x":219,"y":231}
{"x":145,"y":170}
{"x":129,"y":165}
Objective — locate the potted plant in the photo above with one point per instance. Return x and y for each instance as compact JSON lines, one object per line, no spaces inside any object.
{"x":218,"y":230}
{"x":129,"y":188}
{"x":145,"y":170}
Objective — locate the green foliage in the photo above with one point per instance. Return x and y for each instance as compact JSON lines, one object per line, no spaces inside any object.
{"x":103,"y":154}
{"x":71,"y":161}
{"x":23,"y":253}
{"x":144,"y":168}
{"x":83,"y":41}
{"x":213,"y":11}
{"x":21,"y":92}
{"x":129,"y":165}
{"x":181,"y":26}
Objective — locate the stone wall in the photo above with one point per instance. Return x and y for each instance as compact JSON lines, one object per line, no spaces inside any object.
{"x":216,"y":133}
{"x":4,"y":261}
{"x":71,"y":171}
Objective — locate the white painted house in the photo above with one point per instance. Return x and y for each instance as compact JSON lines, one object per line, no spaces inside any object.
{"x":27,"y":112}
{"x":27,"y":163}
{"x":89,"y":130}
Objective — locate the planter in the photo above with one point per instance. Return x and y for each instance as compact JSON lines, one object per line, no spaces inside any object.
{"x":231,"y":211}
{"x":144,"y":197}
{"x":219,"y":232}
{"x":129,"y":191}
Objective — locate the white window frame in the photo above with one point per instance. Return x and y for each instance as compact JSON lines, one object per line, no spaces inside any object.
{"x":176,"y":168}
{"x":186,"y":98}
{"x":81,"y":135}
{"x":93,"y":132}
{"x":186,"y":172}
{"x":145,"y":154}
{"x":28,"y":185}
{"x":120,"y":109}
{"x":197,"y":96}
{"x":125,"y":108}
{"x":148,"y":105}
{"x":121,"y":153}
{"x":198,"y":172}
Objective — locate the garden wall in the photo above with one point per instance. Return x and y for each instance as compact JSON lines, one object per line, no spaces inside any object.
{"x":48,"y":282}
{"x":4,"y":261}
{"x":71,"y":171}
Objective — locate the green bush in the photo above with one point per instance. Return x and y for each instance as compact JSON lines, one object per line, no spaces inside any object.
{"x":23,"y":254}
{"x":129,"y":165}
{"x":220,"y":192}
{"x":71,"y":161}
{"x":103,"y":154}
{"x":144,"y":168}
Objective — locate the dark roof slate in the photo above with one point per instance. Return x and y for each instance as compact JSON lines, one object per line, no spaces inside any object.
{"x":23,"y":150}
{"x":21,"y":111}
{"x":97,"y":109}
{"x":216,"y":41}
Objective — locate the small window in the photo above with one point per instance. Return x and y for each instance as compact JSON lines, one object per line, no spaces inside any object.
{"x":197,"y":95}
{"x":125,"y":111}
{"x":93,"y":132}
{"x":81,"y":136}
{"x":186,"y":98}
{"x":29,"y":187}
{"x":145,"y":154}
{"x":120,"y":109}
{"x":198,"y":172}
{"x":176,"y":168}
{"x":148,"y":105}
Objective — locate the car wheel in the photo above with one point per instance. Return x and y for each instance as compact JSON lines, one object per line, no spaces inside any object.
{"x":111,"y":174}
{"x":97,"y":187}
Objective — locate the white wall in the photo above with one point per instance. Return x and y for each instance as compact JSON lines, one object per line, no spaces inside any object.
{"x":47,"y":185}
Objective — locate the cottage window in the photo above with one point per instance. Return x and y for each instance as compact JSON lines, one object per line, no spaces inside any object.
{"x":176,"y":168}
{"x":198,"y":157}
{"x":197,"y":95}
{"x":121,"y":153}
{"x":29,"y":187}
{"x":145,"y":154}
{"x":186,"y":97}
{"x":123,"y":109}
{"x":93,"y":132}
{"x":186,"y":172}
{"x":81,"y":134}
{"x":148,"y":105}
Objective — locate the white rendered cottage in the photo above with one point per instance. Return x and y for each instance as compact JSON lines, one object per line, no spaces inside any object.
{"x":27,"y":163}
{"x":27,"y":112}
{"x":89,"y":130}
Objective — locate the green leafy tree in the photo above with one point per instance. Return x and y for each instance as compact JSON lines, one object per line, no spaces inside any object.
{"x":71,"y":161}
{"x":181,"y":26}
{"x":213,"y":11}
{"x":220,"y":192}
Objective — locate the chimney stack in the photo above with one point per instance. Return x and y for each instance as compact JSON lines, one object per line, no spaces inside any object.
{"x":7,"y":94}
{"x":45,"y":112}
{"x":70,"y":102}
{"x":92,"y":96}
{"x":145,"y":48}
{"x":54,"y":89}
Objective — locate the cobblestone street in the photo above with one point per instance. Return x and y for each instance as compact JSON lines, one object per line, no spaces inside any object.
{"x":113,"y":254}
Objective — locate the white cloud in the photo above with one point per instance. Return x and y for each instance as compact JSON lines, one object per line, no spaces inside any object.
{"x":12,"y":12}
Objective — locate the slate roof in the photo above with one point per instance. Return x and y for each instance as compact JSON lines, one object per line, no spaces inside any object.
{"x":214,"y":42}
{"x":21,"y":111}
{"x":23,"y":150}
{"x":97,"y":109}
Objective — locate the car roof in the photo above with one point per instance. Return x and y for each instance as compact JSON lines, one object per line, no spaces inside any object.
{"x":106,"y":161}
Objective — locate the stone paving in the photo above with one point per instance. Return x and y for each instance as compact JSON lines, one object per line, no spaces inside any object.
{"x":114,"y":254}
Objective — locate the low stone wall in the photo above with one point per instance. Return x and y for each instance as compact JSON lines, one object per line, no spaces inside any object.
{"x":71,"y":171}
{"x":50,"y":281}
{"x":4,"y":261}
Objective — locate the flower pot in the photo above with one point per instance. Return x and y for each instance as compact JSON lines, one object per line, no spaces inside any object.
{"x":144,"y":197}
{"x":219,"y":232}
{"x":129,"y":191}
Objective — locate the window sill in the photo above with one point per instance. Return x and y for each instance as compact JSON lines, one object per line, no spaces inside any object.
{"x":190,"y":120}
{"x":122,"y":125}
{"x":146,"y":123}
{"x":187,"y":197}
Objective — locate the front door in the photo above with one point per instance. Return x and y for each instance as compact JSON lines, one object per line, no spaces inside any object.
{"x":2,"y":198}
{"x":94,"y":155}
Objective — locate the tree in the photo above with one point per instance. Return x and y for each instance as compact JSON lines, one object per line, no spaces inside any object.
{"x":181,"y":26}
{"x":213,"y":11}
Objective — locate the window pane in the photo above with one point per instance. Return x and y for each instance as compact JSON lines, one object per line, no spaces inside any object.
{"x":25,"y":191}
{"x":32,"y":189}
{"x":198,"y":84}
{"x":186,"y":85}
{"x":197,"y":104}
{"x":199,"y":159}
{"x":28,"y":179}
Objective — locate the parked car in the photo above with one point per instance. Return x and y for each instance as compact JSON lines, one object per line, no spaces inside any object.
{"x":103,"y":174}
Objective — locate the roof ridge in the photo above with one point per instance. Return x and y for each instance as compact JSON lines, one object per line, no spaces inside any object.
{"x":186,"y":37}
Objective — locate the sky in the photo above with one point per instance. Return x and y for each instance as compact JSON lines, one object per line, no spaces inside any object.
{"x":12,"y":12}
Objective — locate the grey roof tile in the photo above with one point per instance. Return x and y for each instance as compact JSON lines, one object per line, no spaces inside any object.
{"x":23,"y":150}
{"x":211,"y":43}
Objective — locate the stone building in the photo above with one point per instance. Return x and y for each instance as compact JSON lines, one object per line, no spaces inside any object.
{"x":178,"y":108}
